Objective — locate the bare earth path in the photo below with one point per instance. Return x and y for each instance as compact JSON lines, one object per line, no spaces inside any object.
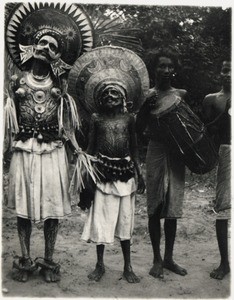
{"x":196,"y":249}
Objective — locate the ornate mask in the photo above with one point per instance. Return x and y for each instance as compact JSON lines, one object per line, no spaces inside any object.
{"x":38,"y":30}
{"x":112,"y":92}
{"x":47,"y":49}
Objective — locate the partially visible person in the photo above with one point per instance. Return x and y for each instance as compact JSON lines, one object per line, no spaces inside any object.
{"x":217,"y":113}
{"x":165,"y":172}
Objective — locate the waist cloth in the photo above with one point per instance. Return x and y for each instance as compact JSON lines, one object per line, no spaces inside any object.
{"x":112,"y":212}
{"x":223,"y":187}
{"x":38,"y":180}
{"x":165,"y":180}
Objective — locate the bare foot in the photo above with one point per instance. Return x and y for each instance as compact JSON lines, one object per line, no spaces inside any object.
{"x":97,"y":273}
{"x":157,"y":270}
{"x":49,"y":275}
{"x":22,"y":267}
{"x":20,"y":275}
{"x":172,"y":266}
{"x":220,"y":272}
{"x":130,"y":276}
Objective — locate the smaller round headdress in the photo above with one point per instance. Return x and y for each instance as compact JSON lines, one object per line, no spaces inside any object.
{"x":30,"y":21}
{"x":104,"y":66}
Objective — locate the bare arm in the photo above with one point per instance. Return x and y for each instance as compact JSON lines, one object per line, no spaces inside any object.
{"x":210,"y":116}
{"x":91,"y":136}
{"x":135,"y":154}
{"x":143,"y":116}
{"x":207,"y":109}
{"x":133,"y":145}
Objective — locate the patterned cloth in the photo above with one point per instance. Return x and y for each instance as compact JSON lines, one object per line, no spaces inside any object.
{"x":165,"y":179}
{"x":112,"y":213}
{"x":38,"y":184}
{"x":223,"y":188}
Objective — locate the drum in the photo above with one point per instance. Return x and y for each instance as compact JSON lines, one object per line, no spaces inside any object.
{"x":187,"y":137}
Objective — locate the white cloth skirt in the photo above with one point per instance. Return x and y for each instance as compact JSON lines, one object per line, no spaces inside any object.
{"x":111,"y":214}
{"x":39,"y":184}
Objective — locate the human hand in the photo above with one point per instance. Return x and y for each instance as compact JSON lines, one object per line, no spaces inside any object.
{"x":76,"y":153}
{"x":141,"y":185}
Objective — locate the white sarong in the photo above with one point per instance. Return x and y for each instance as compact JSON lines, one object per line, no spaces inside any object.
{"x":38,"y":181}
{"x":112,"y":213}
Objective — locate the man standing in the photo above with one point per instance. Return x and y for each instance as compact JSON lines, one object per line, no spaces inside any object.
{"x":217,"y":111}
{"x":165,"y":173}
{"x":115,"y":84}
{"x":43,"y":42}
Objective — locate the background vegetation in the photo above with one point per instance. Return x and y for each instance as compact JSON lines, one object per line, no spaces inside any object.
{"x":200,"y":35}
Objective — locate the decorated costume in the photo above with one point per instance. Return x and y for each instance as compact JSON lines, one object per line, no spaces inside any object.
{"x":45,"y":115}
{"x":43,"y":40}
{"x":102,"y":75}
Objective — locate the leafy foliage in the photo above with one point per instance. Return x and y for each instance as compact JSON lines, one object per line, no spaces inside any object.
{"x":200,"y":35}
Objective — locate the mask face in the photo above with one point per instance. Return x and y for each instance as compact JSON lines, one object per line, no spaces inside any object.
{"x":111,"y":97}
{"x":47,"y":49}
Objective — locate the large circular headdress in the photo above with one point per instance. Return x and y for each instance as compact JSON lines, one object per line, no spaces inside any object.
{"x":30,"y":20}
{"x":108,"y":65}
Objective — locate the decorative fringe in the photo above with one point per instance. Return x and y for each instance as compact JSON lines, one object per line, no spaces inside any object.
{"x":10,"y":119}
{"x":74,"y":113}
{"x":10,"y":115}
{"x":68,"y":118}
{"x":83,"y":168}
{"x":60,"y":116}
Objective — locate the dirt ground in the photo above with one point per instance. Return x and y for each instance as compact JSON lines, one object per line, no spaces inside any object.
{"x":196,"y":249}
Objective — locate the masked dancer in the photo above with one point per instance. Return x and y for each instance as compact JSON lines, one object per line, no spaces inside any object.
{"x":43,"y":40}
{"x":111,"y":80}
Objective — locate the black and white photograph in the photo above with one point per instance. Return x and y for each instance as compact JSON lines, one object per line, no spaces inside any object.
{"x":116,"y":149}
